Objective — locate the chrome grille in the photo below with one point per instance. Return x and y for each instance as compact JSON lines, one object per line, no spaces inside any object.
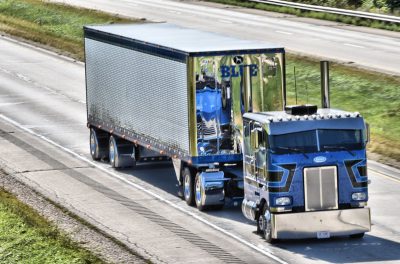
{"x":320,"y":188}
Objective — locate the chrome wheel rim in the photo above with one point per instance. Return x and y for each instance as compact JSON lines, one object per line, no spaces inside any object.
{"x":112,"y":152}
{"x":198,"y":191}
{"x":267,"y":230}
{"x":92,"y":144}
{"x":262,"y":223}
{"x":187,"y":187}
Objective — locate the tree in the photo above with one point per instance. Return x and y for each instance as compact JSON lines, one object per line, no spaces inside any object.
{"x":393,"y":4}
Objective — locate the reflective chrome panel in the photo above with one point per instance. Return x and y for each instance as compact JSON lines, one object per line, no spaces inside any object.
{"x":227,"y":87}
{"x":308,"y":224}
{"x":320,"y":188}
{"x":138,"y":92}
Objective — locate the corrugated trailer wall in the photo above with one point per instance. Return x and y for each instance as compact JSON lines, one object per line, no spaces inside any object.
{"x":137,"y":91}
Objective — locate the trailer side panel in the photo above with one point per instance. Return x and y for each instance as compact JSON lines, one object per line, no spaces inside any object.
{"x":140,"y":92}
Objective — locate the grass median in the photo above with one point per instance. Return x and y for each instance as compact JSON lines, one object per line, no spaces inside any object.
{"x":26,"y":237}
{"x":55,"y":25}
{"x":374,"y":95}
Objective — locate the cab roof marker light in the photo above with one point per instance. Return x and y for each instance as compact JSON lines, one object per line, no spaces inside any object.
{"x":314,"y":117}
{"x":347,"y":115}
{"x":357,"y":114}
{"x":297,"y":118}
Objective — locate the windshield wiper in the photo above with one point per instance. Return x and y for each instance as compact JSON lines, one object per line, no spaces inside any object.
{"x":295,"y":150}
{"x":339,"y":147}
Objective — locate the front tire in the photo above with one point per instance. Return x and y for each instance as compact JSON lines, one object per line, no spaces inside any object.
{"x":264,"y":227}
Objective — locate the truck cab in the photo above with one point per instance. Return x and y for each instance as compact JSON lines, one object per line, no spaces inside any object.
{"x":305,"y":173}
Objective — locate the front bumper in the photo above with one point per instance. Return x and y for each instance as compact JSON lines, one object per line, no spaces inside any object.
{"x":310,"y":224}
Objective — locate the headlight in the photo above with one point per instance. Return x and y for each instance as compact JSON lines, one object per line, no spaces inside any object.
{"x":359,"y":196}
{"x":283,"y":201}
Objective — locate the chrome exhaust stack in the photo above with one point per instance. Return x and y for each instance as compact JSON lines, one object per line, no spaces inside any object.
{"x":325,"y":100}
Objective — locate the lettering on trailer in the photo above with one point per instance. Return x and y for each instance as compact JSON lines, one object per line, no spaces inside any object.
{"x":238,"y":70}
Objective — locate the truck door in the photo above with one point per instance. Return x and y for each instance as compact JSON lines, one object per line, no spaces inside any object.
{"x":259,"y":148}
{"x":254,"y":158}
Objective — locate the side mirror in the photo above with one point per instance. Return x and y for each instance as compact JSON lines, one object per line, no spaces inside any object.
{"x":368,"y":133}
{"x":256,"y":136}
{"x":254,"y":139}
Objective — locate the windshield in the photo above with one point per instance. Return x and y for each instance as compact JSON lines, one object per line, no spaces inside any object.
{"x":317,"y":140}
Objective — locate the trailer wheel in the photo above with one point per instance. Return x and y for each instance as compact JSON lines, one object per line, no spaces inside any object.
{"x":98,"y":144}
{"x":264,"y":224}
{"x":113,"y":153}
{"x":199,"y":193}
{"x":120,"y":153}
{"x":188,"y":186}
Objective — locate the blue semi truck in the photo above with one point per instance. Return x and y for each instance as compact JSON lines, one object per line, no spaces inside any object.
{"x":305,"y":173}
{"x":210,"y":104}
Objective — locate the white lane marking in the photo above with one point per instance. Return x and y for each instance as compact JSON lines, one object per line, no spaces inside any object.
{"x":225,"y":21}
{"x":175,"y":12}
{"x":385,"y":175}
{"x":160,"y":198}
{"x":8,"y":104}
{"x":283,"y":32}
{"x":354,"y":46}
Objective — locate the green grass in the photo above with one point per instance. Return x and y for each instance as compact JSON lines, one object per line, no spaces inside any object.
{"x":312,"y":14}
{"x":374,"y":95}
{"x":55,"y":25}
{"x":26,"y":237}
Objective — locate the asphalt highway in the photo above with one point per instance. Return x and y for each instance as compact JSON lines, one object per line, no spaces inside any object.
{"x":360,"y":47}
{"x":44,"y":139}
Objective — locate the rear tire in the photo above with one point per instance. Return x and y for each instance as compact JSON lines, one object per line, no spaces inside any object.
{"x":199,"y":193}
{"x":98,"y":144}
{"x":188,"y":186}
{"x":121,"y":153}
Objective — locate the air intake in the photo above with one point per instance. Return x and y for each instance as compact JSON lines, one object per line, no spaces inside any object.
{"x":301,"y":109}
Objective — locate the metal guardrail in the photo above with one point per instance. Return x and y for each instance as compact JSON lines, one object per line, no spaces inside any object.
{"x":386,"y":18}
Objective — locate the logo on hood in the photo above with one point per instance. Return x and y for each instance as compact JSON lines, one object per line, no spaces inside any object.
{"x":319,"y":159}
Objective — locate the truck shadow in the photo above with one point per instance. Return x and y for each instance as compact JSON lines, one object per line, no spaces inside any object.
{"x":344,"y":249}
{"x":158,"y":174}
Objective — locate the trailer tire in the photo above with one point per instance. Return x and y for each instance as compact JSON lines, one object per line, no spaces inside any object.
{"x":264,"y":225}
{"x":188,"y":185}
{"x":98,"y":142}
{"x":120,"y":153}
